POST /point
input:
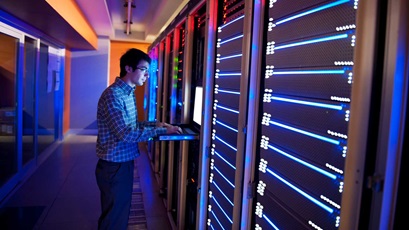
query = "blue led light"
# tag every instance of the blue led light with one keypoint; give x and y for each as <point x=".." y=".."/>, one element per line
<point x="323" y="172"/>
<point x="225" y="108"/>
<point x="235" y="20"/>
<point x="309" y="72"/>
<point x="228" y="91"/>
<point x="232" y="56"/>
<point x="220" y="156"/>
<point x="225" y="178"/>
<point x="231" y="39"/>
<point x="270" y="222"/>
<point x="329" y="38"/>
<point x="315" y="201"/>
<point x="225" y="214"/>
<point x="229" y="74"/>
<point x="311" y="11"/>
<point x="215" y="217"/>
<point x="332" y="141"/>
<point x="220" y="190"/>
<point x="233" y="129"/>
<point x="218" y="138"/>
<point x="322" y="105"/>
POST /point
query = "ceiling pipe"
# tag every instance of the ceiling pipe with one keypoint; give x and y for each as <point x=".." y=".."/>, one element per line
<point x="129" y="5"/>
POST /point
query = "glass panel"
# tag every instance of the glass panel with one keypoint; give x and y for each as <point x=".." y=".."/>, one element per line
<point x="8" y="64"/>
<point x="29" y="99"/>
<point x="45" y="101"/>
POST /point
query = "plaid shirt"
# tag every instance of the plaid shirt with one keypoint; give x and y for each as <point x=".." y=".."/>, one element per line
<point x="118" y="128"/>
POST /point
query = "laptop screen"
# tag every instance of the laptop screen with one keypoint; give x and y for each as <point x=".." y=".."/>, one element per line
<point x="197" y="106"/>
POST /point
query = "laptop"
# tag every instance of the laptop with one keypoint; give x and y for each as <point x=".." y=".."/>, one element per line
<point x="189" y="131"/>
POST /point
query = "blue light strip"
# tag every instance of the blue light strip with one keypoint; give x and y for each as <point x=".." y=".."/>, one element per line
<point x="218" y="188"/>
<point x="232" y="56"/>
<point x="309" y="72"/>
<point x="227" y="180"/>
<point x="315" y="104"/>
<point x="218" y="138"/>
<point x="270" y="222"/>
<point x="323" y="172"/>
<point x="332" y="141"/>
<point x="312" y="11"/>
<point x="228" y="91"/>
<point x="225" y="108"/>
<point x="233" y="129"/>
<point x="220" y="156"/>
<point x="229" y="74"/>
<point x="214" y="215"/>
<point x="215" y="201"/>
<point x="330" y="38"/>
<point x="221" y="27"/>
<point x="315" y="201"/>
<point x="231" y="39"/>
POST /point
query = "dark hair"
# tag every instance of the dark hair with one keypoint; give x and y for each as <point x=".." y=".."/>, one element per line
<point x="131" y="58"/>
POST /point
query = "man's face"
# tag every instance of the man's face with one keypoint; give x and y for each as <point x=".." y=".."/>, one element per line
<point x="141" y="73"/>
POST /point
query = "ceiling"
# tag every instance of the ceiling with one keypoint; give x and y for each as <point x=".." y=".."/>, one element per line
<point x="149" y="17"/>
<point x="106" y="17"/>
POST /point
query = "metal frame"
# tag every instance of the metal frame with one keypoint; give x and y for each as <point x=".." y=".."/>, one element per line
<point x="393" y="109"/>
<point x="210" y="44"/>
<point x="253" y="111"/>
<point x="359" y="123"/>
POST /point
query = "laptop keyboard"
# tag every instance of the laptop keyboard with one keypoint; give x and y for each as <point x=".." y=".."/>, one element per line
<point x="188" y="131"/>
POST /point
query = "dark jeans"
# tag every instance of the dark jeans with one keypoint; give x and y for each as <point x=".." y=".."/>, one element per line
<point x="115" y="181"/>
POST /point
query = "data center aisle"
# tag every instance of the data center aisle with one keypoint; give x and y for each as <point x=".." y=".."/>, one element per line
<point x="63" y="194"/>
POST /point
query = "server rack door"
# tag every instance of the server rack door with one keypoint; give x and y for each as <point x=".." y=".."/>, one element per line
<point x="192" y="76"/>
<point x="305" y="112"/>
<point x="228" y="117"/>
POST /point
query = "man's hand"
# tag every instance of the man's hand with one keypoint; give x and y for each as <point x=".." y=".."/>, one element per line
<point x="173" y="129"/>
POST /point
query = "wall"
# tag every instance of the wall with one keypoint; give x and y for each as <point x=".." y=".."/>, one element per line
<point x="117" y="49"/>
<point x="67" y="92"/>
<point x="89" y="77"/>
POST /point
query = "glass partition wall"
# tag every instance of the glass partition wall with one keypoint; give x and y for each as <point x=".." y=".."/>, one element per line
<point x="8" y="71"/>
<point x="29" y="98"/>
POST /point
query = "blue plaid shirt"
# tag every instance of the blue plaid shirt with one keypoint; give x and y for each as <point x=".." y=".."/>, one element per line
<point x="118" y="128"/>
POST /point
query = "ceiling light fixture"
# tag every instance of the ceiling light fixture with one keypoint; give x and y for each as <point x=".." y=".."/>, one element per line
<point x="128" y="5"/>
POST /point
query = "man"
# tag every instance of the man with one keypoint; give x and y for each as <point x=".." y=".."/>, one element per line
<point x="118" y="135"/>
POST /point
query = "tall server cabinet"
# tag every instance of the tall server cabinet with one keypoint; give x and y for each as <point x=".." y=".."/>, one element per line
<point x="228" y="114"/>
<point x="304" y="114"/>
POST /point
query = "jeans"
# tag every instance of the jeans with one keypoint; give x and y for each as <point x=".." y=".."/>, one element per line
<point x="115" y="182"/>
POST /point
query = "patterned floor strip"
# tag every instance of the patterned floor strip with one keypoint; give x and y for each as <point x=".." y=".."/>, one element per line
<point x="137" y="217"/>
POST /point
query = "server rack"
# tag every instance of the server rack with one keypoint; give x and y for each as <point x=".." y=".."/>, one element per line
<point x="177" y="78"/>
<point x="305" y="114"/>
<point x="310" y="155"/>
<point x="189" y="157"/>
<point x="227" y="87"/>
